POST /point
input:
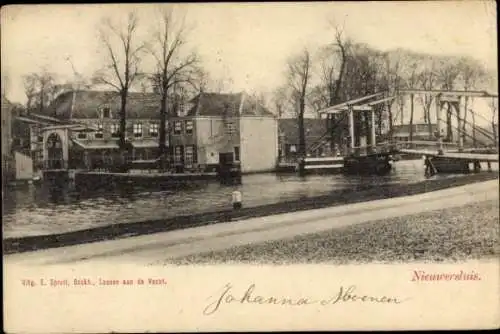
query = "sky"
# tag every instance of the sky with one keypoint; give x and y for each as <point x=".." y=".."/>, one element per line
<point x="247" y="43"/>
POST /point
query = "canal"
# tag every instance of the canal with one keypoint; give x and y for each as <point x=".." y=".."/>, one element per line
<point x="32" y="210"/>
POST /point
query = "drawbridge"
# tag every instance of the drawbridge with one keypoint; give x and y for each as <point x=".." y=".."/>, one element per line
<point x="370" y="156"/>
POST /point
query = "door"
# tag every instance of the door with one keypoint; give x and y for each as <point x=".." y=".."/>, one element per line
<point x="54" y="152"/>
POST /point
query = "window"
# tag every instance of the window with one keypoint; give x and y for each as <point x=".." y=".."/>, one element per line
<point x="230" y="127"/>
<point x="114" y="131"/>
<point x="37" y="156"/>
<point x="82" y="135"/>
<point x="178" y="154"/>
<point x="36" y="134"/>
<point x="99" y="134"/>
<point x="189" y="155"/>
<point x="153" y="130"/>
<point x="177" y="128"/>
<point x="189" y="127"/>
<point x="137" y="130"/>
<point x="236" y="153"/>
<point x="106" y="112"/>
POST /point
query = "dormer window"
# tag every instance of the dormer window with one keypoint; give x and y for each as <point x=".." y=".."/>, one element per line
<point x="82" y="135"/>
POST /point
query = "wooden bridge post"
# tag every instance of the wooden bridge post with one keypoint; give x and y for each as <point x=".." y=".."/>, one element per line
<point x="438" y="123"/>
<point x="372" y="129"/>
<point x="412" y="103"/>
<point x="477" y="166"/>
<point x="351" y="126"/>
<point x="459" y="125"/>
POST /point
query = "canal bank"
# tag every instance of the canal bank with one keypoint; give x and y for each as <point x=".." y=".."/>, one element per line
<point x="335" y="198"/>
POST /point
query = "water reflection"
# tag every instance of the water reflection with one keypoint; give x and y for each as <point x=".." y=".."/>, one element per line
<point x="36" y="210"/>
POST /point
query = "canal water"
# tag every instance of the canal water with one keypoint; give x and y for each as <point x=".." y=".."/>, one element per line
<point x="32" y="210"/>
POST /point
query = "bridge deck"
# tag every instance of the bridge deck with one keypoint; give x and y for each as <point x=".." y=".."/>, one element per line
<point x="454" y="155"/>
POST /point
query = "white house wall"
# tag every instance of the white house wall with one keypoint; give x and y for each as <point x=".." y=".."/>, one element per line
<point x="259" y="144"/>
<point x="212" y="139"/>
<point x="24" y="166"/>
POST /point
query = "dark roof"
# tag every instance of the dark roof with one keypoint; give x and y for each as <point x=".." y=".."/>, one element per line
<point x="88" y="104"/>
<point x="216" y="104"/>
<point x="315" y="128"/>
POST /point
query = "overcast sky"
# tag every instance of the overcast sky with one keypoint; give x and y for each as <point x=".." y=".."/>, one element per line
<point x="248" y="43"/>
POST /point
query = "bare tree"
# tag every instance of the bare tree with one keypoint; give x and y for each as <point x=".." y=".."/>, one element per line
<point x="334" y="87"/>
<point x="40" y="89"/>
<point x="448" y="73"/>
<point x="471" y="73"/>
<point x="318" y="99"/>
<point x="299" y="75"/>
<point x="392" y="82"/>
<point x="427" y="79"/>
<point x="281" y="101"/>
<point x="30" y="83"/>
<point x="412" y="77"/>
<point x="173" y="68"/>
<point x="333" y="59"/>
<point x="333" y="63"/>
<point x="122" y="70"/>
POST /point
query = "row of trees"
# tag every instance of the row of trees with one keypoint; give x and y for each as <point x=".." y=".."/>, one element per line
<point x="346" y="70"/>
<point x="174" y="66"/>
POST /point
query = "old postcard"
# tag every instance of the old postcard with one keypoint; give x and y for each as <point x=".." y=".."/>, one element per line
<point x="250" y="167"/>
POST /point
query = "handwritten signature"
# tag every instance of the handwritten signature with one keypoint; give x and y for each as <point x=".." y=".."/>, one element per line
<point x="344" y="294"/>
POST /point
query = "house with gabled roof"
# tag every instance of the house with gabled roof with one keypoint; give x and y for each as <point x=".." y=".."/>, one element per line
<point x="90" y="119"/>
<point x="215" y="124"/>
<point x="84" y="129"/>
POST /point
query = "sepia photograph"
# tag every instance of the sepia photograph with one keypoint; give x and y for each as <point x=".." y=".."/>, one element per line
<point x="250" y="166"/>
